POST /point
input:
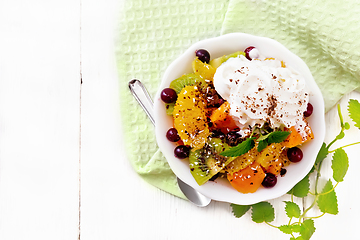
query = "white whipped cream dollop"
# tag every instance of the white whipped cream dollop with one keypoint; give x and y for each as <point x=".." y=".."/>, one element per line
<point x="261" y="90"/>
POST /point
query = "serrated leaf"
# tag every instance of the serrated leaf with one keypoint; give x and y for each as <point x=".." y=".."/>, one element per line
<point x="292" y="209"/>
<point x="262" y="212"/>
<point x="340" y="164"/>
<point x="341" y="135"/>
<point x="322" y="154"/>
<point x="263" y="137"/>
<point x="307" y="229"/>
<point x="239" y="210"/>
<point x="262" y="145"/>
<point x="301" y="189"/>
<point x="273" y="137"/>
<point x="312" y="170"/>
<point x="298" y="238"/>
<point x="277" y="136"/>
<point x="240" y="149"/>
<point x="287" y="229"/>
<point x="327" y="203"/>
<point x="296" y="228"/>
<point x="354" y="111"/>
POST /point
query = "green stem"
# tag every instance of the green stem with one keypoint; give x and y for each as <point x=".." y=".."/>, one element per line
<point x="329" y="190"/>
<point x="253" y="131"/>
<point x="340" y="116"/>
<point x="317" y="177"/>
<point x="316" y="192"/>
<point x="271" y="225"/>
<point x="341" y="124"/>
<point x="315" y="217"/>
<point x="306" y="210"/>
<point x="333" y="141"/>
<point x="348" y="145"/>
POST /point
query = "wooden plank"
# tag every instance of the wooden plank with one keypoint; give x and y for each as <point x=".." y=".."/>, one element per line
<point x="102" y="153"/>
<point x="39" y="119"/>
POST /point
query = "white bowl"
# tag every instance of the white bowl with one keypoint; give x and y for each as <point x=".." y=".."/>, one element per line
<point x="221" y="189"/>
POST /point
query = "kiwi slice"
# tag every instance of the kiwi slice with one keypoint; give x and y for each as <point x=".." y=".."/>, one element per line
<point x="169" y="108"/>
<point x="207" y="162"/>
<point x="178" y="84"/>
<point x="190" y="79"/>
<point x="218" y="61"/>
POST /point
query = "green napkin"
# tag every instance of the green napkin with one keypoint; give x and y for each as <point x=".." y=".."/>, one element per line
<point x="325" y="34"/>
<point x="153" y="33"/>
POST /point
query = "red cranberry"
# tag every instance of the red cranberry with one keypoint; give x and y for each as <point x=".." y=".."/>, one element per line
<point x="182" y="151"/>
<point x="247" y="51"/>
<point x="172" y="135"/>
<point x="309" y="110"/>
<point x="203" y="55"/>
<point x="168" y="95"/>
<point x="269" y="181"/>
<point x="294" y="154"/>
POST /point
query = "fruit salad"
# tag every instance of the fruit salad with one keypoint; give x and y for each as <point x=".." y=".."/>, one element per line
<point x="242" y="117"/>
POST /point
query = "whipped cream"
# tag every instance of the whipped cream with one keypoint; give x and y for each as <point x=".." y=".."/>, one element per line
<point x="261" y="90"/>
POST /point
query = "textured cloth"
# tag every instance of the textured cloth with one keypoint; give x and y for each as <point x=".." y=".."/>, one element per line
<point x="152" y="33"/>
<point x="325" y="34"/>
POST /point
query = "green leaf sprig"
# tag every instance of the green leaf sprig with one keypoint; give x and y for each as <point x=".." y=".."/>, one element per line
<point x="300" y="226"/>
<point x="249" y="143"/>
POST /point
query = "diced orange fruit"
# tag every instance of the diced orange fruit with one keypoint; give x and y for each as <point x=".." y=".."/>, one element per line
<point x="270" y="159"/>
<point x="247" y="180"/>
<point x="300" y="133"/>
<point x="293" y="139"/>
<point x="220" y="114"/>
<point x="242" y="161"/>
<point x="205" y="70"/>
<point x="190" y="117"/>
<point x="221" y="118"/>
<point x="284" y="158"/>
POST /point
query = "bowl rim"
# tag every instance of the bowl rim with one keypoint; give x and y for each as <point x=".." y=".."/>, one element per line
<point x="217" y="47"/>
